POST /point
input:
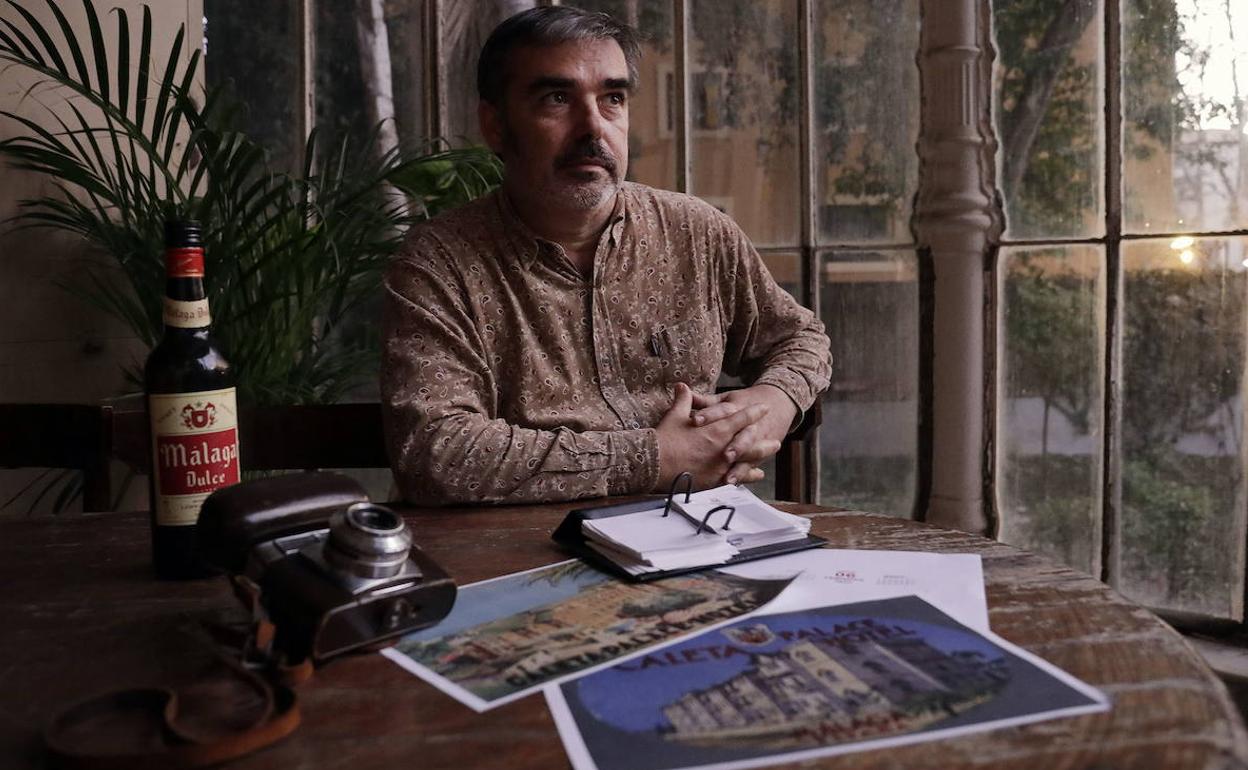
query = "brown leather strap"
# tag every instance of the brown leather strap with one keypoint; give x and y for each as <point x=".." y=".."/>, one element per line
<point x="226" y="712"/>
<point x="142" y="729"/>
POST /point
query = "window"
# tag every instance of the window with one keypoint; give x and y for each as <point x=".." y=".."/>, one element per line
<point x="785" y="114"/>
<point x="1122" y="284"/>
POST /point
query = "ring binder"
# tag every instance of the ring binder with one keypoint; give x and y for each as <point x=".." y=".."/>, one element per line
<point x="570" y="534"/>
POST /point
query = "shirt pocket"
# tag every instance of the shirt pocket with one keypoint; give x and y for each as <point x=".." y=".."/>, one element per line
<point x="691" y="351"/>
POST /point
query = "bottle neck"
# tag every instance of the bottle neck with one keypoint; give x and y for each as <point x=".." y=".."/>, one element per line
<point x="185" y="289"/>
<point x="186" y="305"/>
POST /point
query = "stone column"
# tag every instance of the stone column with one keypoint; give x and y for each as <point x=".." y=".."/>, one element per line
<point x="956" y="223"/>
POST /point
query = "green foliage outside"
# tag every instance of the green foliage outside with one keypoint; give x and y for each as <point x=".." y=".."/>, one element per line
<point x="1181" y="375"/>
<point x="880" y="484"/>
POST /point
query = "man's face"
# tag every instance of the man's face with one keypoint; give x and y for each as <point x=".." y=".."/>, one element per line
<point x="562" y="128"/>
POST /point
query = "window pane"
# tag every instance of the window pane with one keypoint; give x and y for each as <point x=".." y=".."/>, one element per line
<point x="405" y="29"/>
<point x="339" y="80"/>
<point x="652" y="133"/>
<point x="866" y="119"/>
<point x="1183" y="486"/>
<point x="465" y="26"/>
<point x="1185" y="81"/>
<point x="869" y="439"/>
<point x="1047" y="103"/>
<point x="743" y="114"/>
<point x="242" y="40"/>
<point x="1049" y="423"/>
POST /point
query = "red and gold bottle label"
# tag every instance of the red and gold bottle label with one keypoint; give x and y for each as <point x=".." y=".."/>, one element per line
<point x="194" y="451"/>
<point x="187" y="315"/>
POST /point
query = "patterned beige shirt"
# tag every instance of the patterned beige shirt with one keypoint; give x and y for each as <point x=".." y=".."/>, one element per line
<point x="507" y="376"/>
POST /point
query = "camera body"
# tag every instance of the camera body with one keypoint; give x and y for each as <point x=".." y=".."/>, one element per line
<point x="335" y="571"/>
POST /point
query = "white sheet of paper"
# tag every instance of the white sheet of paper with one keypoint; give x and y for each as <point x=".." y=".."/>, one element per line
<point x="954" y="582"/>
<point x="735" y="495"/>
<point x="650" y="531"/>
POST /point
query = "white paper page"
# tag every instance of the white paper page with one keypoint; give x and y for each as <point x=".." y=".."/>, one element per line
<point x="646" y="531"/>
<point x="747" y="518"/>
<point x="730" y="494"/>
<point x="954" y="582"/>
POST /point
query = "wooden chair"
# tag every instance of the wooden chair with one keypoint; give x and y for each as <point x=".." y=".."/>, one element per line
<point x="307" y="437"/>
<point x="74" y="436"/>
<point x="791" y="461"/>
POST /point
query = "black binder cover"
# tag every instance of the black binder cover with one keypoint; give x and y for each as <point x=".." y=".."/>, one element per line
<point x="569" y="535"/>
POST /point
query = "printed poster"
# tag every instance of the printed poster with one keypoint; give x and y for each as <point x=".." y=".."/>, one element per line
<point x="509" y="636"/>
<point x="805" y="684"/>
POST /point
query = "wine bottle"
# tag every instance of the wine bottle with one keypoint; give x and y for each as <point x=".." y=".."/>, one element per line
<point x="191" y="407"/>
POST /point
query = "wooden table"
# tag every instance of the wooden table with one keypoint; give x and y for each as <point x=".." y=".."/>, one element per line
<point x="80" y="614"/>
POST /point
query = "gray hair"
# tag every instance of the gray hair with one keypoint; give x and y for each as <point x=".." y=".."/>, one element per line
<point x="548" y="25"/>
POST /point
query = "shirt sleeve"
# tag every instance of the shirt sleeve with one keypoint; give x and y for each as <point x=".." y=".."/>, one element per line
<point x="771" y="339"/>
<point x="446" y="443"/>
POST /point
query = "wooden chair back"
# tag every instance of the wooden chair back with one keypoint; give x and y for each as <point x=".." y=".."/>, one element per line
<point x="73" y="436"/>
<point x="290" y="437"/>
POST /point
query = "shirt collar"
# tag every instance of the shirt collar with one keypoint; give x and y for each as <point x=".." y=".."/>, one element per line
<point x="527" y="245"/>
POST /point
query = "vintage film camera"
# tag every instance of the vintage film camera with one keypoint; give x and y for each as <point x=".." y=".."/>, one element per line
<point x="335" y="571"/>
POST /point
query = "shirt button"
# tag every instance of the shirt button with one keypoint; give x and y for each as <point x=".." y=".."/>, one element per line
<point x="634" y="424"/>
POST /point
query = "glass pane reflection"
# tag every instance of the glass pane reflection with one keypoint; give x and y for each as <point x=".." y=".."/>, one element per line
<point x="246" y="38"/>
<point x="866" y="119"/>
<point x="743" y="114"/>
<point x="340" y="105"/>
<point x="1052" y="332"/>
<point x="1183" y="91"/>
<point x="1047" y="101"/>
<point x="405" y="29"/>
<point x="1183" y="485"/>
<point x="869" y="440"/>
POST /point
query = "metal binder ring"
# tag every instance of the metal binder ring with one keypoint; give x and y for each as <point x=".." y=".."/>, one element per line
<point x="731" y="512"/>
<point x="688" y="478"/>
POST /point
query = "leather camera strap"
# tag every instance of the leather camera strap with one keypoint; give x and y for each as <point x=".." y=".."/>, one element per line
<point x="227" y="711"/>
<point x="158" y="728"/>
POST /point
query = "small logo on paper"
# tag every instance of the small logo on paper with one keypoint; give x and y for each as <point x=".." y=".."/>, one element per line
<point x="199" y="414"/>
<point x="846" y="576"/>
<point x="896" y="580"/>
<point x="756" y="635"/>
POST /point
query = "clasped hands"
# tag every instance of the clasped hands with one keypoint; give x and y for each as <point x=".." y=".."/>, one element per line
<point x="721" y="438"/>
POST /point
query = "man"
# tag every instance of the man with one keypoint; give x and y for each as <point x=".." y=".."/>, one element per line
<point x="562" y="337"/>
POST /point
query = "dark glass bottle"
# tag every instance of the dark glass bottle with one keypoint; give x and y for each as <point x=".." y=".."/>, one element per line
<point x="191" y="408"/>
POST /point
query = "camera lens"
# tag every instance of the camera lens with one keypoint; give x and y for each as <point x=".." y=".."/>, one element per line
<point x="368" y="540"/>
<point x="374" y="518"/>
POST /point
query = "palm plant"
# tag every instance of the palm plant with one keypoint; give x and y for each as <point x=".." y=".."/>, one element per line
<point x="288" y="257"/>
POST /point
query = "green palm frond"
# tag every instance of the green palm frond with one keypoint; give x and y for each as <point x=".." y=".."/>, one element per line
<point x="288" y="257"/>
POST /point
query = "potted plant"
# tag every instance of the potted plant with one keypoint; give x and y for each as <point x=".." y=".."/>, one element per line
<point x="290" y="257"/>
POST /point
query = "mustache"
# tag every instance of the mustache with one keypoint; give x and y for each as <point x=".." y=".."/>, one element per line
<point x="590" y="150"/>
